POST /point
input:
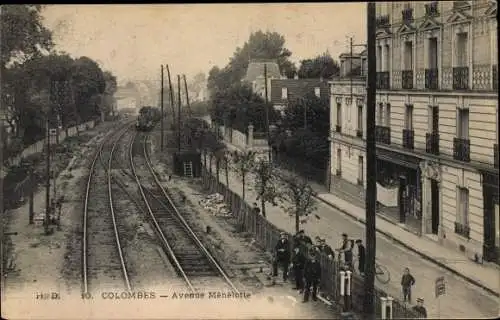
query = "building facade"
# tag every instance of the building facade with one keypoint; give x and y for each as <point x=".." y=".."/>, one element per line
<point x="347" y="119"/>
<point x="436" y="120"/>
<point x="282" y="91"/>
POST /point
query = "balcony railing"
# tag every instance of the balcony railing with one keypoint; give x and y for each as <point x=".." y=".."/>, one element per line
<point x="432" y="143"/>
<point x="461" y="4"/>
<point x="383" y="21"/>
<point x="495" y="154"/>
<point x="407" y="79"/>
<point x="338" y="128"/>
<point x="383" y="80"/>
<point x="431" y="9"/>
<point x="383" y="134"/>
<point x="407" y="15"/>
<point x="462" y="229"/>
<point x="461" y="78"/>
<point x="408" y="139"/>
<point x="494" y="74"/>
<point x="431" y="79"/>
<point x="359" y="133"/>
<point x="461" y="149"/>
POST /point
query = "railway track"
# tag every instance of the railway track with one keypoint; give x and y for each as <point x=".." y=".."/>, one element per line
<point x="192" y="261"/>
<point x="102" y="256"/>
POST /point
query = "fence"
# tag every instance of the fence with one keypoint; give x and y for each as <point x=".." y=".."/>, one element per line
<point x="266" y="236"/>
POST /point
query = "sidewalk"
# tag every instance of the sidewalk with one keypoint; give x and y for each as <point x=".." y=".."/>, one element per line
<point x="462" y="299"/>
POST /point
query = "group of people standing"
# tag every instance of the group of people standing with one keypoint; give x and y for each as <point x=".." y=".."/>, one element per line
<point x="305" y="263"/>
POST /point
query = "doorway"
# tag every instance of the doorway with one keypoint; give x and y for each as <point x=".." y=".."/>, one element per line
<point x="435" y="206"/>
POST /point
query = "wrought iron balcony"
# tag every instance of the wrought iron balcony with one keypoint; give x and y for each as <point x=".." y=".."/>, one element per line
<point x="494" y="69"/>
<point x="461" y="4"/>
<point x="383" y="134"/>
<point x="407" y="15"/>
<point x="338" y="128"/>
<point x="462" y="229"/>
<point x="495" y="154"/>
<point x="432" y="143"/>
<point x="431" y="79"/>
<point x="461" y="78"/>
<point x="408" y="139"/>
<point x="359" y="133"/>
<point x="431" y="9"/>
<point x="407" y="79"/>
<point x="383" y="21"/>
<point x="383" y="80"/>
<point x="461" y="149"/>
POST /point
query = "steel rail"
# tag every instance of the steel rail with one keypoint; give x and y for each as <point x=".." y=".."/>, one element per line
<point x="184" y="223"/>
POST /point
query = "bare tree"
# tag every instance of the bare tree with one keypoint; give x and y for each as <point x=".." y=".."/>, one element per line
<point x="299" y="198"/>
<point x="243" y="163"/>
<point x="265" y="183"/>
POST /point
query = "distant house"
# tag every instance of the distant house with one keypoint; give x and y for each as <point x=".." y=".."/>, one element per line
<point x="255" y="75"/>
<point x="285" y="90"/>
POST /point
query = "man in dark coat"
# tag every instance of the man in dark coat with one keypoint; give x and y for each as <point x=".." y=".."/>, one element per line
<point x="361" y="256"/>
<point x="300" y="239"/>
<point x="282" y="256"/>
<point x="298" y="264"/>
<point x="324" y="248"/>
<point x="420" y="309"/>
<point x="312" y="274"/>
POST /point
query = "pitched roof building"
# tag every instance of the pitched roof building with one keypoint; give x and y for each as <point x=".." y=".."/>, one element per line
<point x="284" y="90"/>
<point x="256" y="69"/>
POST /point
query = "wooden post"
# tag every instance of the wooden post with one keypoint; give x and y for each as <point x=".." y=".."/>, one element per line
<point x="31" y="183"/>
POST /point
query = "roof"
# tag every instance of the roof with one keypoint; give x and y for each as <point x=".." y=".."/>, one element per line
<point x="256" y="68"/>
<point x="297" y="88"/>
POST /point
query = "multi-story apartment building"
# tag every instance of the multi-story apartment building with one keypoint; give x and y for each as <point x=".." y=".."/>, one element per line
<point x="437" y="118"/>
<point x="348" y="118"/>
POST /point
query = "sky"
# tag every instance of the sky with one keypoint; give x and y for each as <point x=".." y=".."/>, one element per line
<point x="132" y="41"/>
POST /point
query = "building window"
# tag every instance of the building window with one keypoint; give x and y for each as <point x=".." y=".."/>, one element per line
<point x="461" y="57"/>
<point x="409" y="117"/>
<point x="339" y="114"/>
<point x="387" y="58"/>
<point x="317" y="92"/>
<point x="463" y="124"/>
<point x="284" y="93"/>
<point x="433" y="53"/>
<point x="388" y="115"/>
<point x="408" y="55"/>
<point x="462" y="218"/>
<point x="360" y="170"/>
<point x="360" y="119"/>
<point x="433" y="119"/>
<point x="379" y="58"/>
<point x="339" y="162"/>
<point x="380" y="115"/>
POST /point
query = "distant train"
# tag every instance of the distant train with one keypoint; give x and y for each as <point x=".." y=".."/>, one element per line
<point x="147" y="118"/>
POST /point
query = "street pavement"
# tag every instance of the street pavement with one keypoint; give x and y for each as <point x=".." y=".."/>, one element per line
<point x="462" y="299"/>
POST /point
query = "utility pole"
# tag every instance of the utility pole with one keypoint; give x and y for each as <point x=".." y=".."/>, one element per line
<point x="172" y="103"/>
<point x="161" y="102"/>
<point x="179" y="113"/>
<point x="305" y="112"/>
<point x="47" y="175"/>
<point x="269" y="153"/>
<point x="187" y="95"/>
<point x="371" y="167"/>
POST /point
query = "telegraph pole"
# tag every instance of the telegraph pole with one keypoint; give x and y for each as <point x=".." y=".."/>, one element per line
<point x="371" y="167"/>
<point x="187" y="95"/>
<point x="179" y="113"/>
<point x="47" y="175"/>
<point x="172" y="103"/>
<point x="161" y="101"/>
<point x="269" y="153"/>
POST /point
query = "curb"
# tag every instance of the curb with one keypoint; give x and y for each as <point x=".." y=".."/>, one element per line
<point x="423" y="255"/>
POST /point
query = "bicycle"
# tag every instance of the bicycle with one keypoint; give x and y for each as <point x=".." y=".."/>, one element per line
<point x="381" y="272"/>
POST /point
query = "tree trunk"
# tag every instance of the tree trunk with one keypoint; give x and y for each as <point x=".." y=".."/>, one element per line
<point x="226" y="168"/>
<point x="243" y="186"/>
<point x="217" y="168"/>
<point x="297" y="221"/>
<point x="263" y="207"/>
<point x="210" y="163"/>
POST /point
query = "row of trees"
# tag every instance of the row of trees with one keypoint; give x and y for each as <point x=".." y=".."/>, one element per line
<point x="293" y="193"/>
<point x="39" y="83"/>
